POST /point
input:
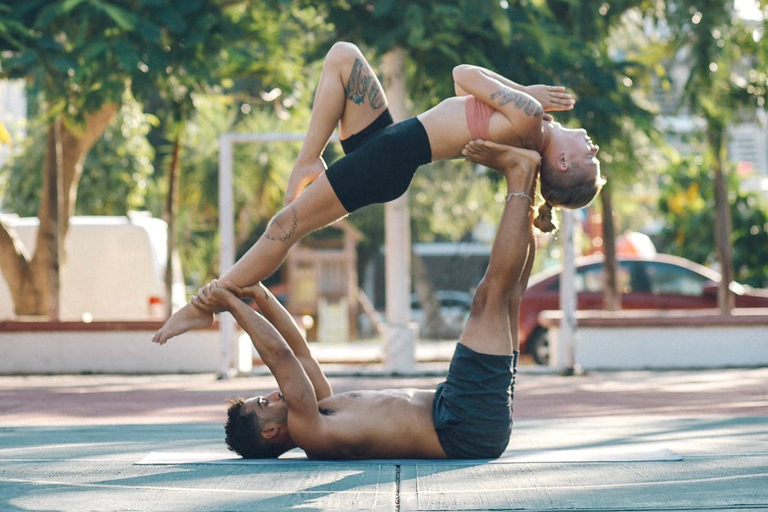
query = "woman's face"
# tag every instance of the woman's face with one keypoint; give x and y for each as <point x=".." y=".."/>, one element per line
<point x="574" y="152"/>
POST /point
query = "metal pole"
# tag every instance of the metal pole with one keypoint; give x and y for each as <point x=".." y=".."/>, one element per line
<point x="227" y="240"/>
<point x="565" y="356"/>
<point x="399" y="334"/>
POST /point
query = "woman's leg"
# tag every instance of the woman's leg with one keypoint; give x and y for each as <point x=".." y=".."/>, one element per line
<point x="348" y="94"/>
<point x="317" y="207"/>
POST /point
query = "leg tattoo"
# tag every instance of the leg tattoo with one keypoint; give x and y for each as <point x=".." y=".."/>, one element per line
<point x="361" y="84"/>
<point x="286" y="235"/>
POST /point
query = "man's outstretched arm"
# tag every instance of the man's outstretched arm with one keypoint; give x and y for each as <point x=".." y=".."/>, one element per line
<point x="500" y="157"/>
<point x="283" y="321"/>
<point x="293" y="381"/>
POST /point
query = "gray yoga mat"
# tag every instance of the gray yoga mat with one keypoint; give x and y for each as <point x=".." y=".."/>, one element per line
<point x="580" y="455"/>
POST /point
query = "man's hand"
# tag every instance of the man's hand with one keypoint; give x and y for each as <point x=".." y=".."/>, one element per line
<point x="214" y="298"/>
<point x="552" y="98"/>
<point x="519" y="165"/>
<point x="499" y="156"/>
<point x="247" y="292"/>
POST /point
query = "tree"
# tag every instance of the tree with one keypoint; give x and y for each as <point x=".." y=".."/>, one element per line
<point x="688" y="205"/>
<point x="560" y="42"/>
<point x="434" y="37"/>
<point x="720" y="51"/>
<point x="84" y="54"/>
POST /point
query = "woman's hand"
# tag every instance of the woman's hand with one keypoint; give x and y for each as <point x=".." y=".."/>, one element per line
<point x="552" y="98"/>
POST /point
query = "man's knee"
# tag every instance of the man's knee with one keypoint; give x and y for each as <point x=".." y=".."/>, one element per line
<point x="342" y="53"/>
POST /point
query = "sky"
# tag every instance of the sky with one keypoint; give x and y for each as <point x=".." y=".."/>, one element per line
<point x="748" y="9"/>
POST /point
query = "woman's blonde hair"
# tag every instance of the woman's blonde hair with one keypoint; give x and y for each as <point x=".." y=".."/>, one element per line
<point x="571" y="196"/>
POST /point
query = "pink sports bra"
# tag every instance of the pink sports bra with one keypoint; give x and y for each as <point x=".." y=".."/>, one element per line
<point x="478" y="118"/>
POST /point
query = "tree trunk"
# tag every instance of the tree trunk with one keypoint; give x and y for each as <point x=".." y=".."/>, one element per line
<point x="170" y="218"/>
<point x="435" y="327"/>
<point x="611" y="265"/>
<point x="28" y="278"/>
<point x="723" y="242"/>
<point x="55" y="197"/>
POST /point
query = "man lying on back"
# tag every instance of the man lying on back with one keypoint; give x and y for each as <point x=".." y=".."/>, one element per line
<point x="467" y="416"/>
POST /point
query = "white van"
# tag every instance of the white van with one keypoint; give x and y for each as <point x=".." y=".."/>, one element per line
<point x="114" y="268"/>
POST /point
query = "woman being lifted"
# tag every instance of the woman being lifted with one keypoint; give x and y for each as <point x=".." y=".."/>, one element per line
<point x="381" y="157"/>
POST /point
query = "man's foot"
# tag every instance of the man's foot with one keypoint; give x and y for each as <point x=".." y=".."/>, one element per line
<point x="185" y="319"/>
<point x="500" y="157"/>
<point x="302" y="174"/>
<point x="518" y="165"/>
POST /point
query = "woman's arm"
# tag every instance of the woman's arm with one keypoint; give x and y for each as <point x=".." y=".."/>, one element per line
<point x="522" y="109"/>
<point x="551" y="98"/>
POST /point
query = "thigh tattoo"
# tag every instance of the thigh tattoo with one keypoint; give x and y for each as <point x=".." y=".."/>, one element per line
<point x="363" y="85"/>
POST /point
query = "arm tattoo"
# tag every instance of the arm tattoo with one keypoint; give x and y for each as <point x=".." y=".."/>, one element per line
<point x="362" y="84"/>
<point x="286" y="235"/>
<point x="530" y="107"/>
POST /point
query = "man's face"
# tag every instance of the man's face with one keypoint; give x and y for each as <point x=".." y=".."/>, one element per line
<point x="269" y="408"/>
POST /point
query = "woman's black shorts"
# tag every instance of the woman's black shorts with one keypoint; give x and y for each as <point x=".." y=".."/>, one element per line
<point x="380" y="162"/>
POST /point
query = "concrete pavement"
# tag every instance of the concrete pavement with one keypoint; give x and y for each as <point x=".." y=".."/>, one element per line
<point x="70" y="443"/>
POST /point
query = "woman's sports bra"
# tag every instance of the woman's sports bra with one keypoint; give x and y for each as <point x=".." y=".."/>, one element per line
<point x="478" y="118"/>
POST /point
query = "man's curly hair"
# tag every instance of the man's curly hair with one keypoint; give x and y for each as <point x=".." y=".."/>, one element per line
<point x="243" y="432"/>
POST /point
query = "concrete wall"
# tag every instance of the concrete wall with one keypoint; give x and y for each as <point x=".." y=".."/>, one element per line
<point x="79" y="348"/>
<point x="635" y="340"/>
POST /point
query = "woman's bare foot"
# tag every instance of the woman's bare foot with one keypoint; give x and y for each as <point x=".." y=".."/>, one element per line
<point x="302" y="174"/>
<point x="185" y="319"/>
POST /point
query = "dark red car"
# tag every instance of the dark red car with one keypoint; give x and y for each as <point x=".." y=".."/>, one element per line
<point x="658" y="282"/>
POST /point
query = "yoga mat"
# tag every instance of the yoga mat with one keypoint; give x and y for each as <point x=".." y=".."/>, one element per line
<point x="579" y="455"/>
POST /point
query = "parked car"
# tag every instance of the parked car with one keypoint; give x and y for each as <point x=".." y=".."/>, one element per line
<point x="658" y="282"/>
<point x="454" y="308"/>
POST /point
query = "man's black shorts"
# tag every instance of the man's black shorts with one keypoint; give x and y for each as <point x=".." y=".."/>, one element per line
<point x="472" y="411"/>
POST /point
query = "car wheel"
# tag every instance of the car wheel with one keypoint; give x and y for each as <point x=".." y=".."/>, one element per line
<point x="538" y="346"/>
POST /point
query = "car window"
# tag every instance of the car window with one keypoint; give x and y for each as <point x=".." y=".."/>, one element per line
<point x="671" y="279"/>
<point x="454" y="303"/>
<point x="590" y="279"/>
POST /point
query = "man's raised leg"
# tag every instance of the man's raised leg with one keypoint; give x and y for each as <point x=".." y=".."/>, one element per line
<point x="488" y="328"/>
<point x="348" y="94"/>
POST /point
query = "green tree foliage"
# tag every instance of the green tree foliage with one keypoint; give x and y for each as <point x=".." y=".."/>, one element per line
<point x="84" y="54"/>
<point x="688" y="208"/>
<point x="116" y="175"/>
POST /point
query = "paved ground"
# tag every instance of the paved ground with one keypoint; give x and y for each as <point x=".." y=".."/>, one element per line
<point x="70" y="443"/>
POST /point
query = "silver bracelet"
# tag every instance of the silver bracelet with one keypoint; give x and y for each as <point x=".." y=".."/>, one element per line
<point x="519" y="194"/>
